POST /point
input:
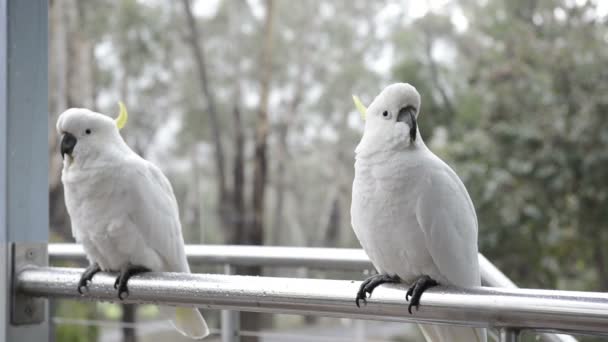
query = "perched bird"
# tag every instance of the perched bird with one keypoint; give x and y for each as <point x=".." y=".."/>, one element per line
<point x="410" y="211"/>
<point x="122" y="208"/>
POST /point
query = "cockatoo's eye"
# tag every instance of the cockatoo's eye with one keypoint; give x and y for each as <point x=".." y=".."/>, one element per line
<point x="386" y="115"/>
<point x="87" y="131"/>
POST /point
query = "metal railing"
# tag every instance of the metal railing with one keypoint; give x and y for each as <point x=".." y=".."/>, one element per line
<point x="560" y="304"/>
<point x="508" y="309"/>
<point x="237" y="255"/>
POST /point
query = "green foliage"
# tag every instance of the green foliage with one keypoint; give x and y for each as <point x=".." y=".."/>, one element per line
<point x="515" y="102"/>
<point x="74" y="332"/>
<point x="528" y="135"/>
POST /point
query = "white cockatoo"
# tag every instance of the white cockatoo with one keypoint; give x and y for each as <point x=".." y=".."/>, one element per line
<point x="122" y="208"/>
<point x="410" y="211"/>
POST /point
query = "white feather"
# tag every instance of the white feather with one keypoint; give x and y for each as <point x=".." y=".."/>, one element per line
<point x="410" y="211"/>
<point x="122" y="207"/>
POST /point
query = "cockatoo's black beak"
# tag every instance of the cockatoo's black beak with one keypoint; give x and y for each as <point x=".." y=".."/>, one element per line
<point x="68" y="141"/>
<point x="408" y="116"/>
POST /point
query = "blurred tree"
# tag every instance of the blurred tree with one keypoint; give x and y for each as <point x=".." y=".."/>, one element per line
<point x="196" y="41"/>
<point x="542" y="104"/>
<point x="74" y="332"/>
<point x="327" y="46"/>
<point x="71" y="76"/>
<point x="259" y="149"/>
<point x="523" y="101"/>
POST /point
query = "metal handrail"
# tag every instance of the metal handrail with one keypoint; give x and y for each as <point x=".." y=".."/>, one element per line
<point x="318" y="258"/>
<point x="548" y="310"/>
<point x="238" y="255"/>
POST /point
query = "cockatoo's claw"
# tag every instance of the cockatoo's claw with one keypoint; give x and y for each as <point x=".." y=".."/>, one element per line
<point x="361" y="295"/>
<point x="126" y="272"/>
<point x="415" y="291"/>
<point x="409" y="292"/>
<point x="369" y="284"/>
<point x="409" y="307"/>
<point x="82" y="283"/>
<point x="358" y="299"/>
<point x="122" y="291"/>
<point x="87" y="276"/>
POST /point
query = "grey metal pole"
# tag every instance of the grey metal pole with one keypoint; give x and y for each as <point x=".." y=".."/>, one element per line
<point x="360" y="331"/>
<point x="509" y="335"/>
<point x="23" y="159"/>
<point x="230" y="319"/>
<point x="584" y="312"/>
<point x="322" y="258"/>
<point x="492" y="276"/>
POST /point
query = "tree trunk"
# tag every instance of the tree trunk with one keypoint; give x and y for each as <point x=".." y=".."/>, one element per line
<point x="281" y="157"/>
<point x="434" y="69"/>
<point x="238" y="176"/>
<point x="197" y="47"/>
<point x="239" y="209"/>
<point x="333" y="222"/>
<point x="194" y="197"/>
<point x="255" y="232"/>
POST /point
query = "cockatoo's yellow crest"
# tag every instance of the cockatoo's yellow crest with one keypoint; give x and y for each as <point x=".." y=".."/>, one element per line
<point x="360" y="107"/>
<point x="123" y="116"/>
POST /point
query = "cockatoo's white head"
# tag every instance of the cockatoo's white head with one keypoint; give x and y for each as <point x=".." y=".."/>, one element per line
<point x="87" y="135"/>
<point x="390" y="121"/>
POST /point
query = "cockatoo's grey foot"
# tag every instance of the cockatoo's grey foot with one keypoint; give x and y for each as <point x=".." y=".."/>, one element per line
<point x="126" y="272"/>
<point x="87" y="276"/>
<point x="416" y="290"/>
<point x="369" y="284"/>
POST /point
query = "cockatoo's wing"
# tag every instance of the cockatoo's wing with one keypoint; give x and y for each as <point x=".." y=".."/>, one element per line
<point x="154" y="213"/>
<point x="156" y="217"/>
<point x="447" y="218"/>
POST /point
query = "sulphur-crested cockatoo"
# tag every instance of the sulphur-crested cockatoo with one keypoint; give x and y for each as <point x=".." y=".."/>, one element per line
<point x="122" y="208"/>
<point x="410" y="211"/>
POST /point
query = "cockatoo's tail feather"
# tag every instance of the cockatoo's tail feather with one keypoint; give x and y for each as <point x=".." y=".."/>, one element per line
<point x="188" y="321"/>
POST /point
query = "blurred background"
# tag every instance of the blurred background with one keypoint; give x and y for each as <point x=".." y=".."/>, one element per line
<point x="246" y="106"/>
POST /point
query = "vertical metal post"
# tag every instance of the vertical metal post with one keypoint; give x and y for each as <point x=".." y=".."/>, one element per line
<point x="231" y="320"/>
<point x="360" y="331"/>
<point x="509" y="335"/>
<point x="23" y="151"/>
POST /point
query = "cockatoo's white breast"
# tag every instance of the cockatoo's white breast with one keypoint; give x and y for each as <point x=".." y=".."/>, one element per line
<point x="96" y="200"/>
<point x="383" y="214"/>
